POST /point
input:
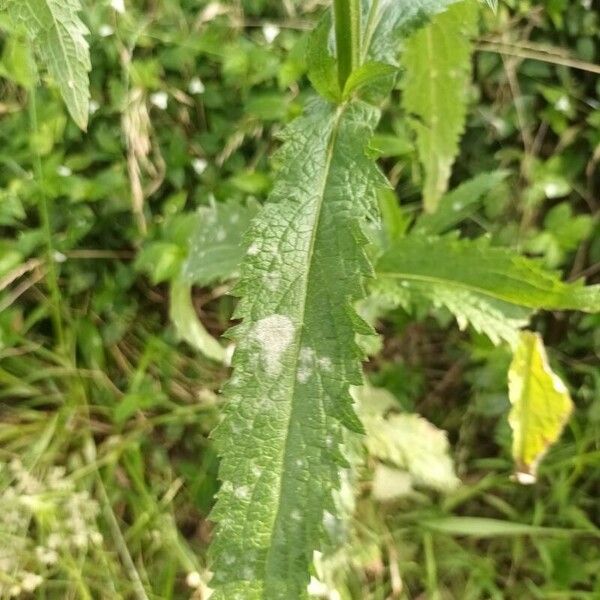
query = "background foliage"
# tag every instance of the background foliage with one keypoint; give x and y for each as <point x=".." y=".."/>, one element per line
<point x="107" y="395"/>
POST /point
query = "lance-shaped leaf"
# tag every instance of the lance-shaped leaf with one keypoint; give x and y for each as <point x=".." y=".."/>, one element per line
<point x="296" y="356"/>
<point x="437" y="64"/>
<point x="541" y="405"/>
<point x="491" y="272"/>
<point x="59" y="37"/>
<point x="495" y="290"/>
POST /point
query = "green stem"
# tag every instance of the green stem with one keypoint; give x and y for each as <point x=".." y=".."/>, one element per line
<point x="347" y="37"/>
<point x="44" y="217"/>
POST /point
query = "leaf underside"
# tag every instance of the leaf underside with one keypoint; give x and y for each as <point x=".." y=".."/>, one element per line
<point x="437" y="63"/>
<point x="296" y="357"/>
<point x="59" y="37"/>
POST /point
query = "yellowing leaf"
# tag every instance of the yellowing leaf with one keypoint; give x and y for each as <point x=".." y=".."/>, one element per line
<point x="541" y="405"/>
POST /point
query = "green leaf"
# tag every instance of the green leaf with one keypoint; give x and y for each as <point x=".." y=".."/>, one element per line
<point x="18" y="62"/>
<point x="459" y="204"/>
<point x="485" y="528"/>
<point x="296" y="356"/>
<point x="188" y="325"/>
<point x="322" y="69"/>
<point x="367" y="75"/>
<point x="541" y="405"/>
<point x="437" y="63"/>
<point x="491" y="272"/>
<point x="59" y="37"/>
<point x="217" y="246"/>
<point x="390" y="22"/>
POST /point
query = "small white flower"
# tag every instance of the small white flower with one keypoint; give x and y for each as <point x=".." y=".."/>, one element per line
<point x="196" y="86"/>
<point x="31" y="581"/>
<point x="59" y="257"/>
<point x="193" y="579"/>
<point x="105" y="30"/>
<point x="551" y="190"/>
<point x="562" y="104"/>
<point x="94" y="107"/>
<point x="160" y="100"/>
<point x="270" y="32"/>
<point x="64" y="171"/>
<point x="199" y="165"/>
<point x="118" y="5"/>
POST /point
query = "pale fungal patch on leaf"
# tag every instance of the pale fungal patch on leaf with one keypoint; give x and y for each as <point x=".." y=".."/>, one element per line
<point x="253" y="249"/>
<point x="325" y="363"/>
<point x="242" y="492"/>
<point x="274" y="335"/>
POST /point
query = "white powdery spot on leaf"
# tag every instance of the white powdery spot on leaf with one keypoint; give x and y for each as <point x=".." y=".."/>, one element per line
<point x="242" y="492"/>
<point x="253" y="250"/>
<point x="325" y="363"/>
<point x="274" y="334"/>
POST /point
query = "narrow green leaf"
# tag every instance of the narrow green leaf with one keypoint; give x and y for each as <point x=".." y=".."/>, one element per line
<point x="485" y="528"/>
<point x="59" y="37"/>
<point x="296" y="356"/>
<point x="491" y="272"/>
<point x="437" y="65"/>
<point x="541" y="405"/>
<point x="322" y="70"/>
<point x="459" y="204"/>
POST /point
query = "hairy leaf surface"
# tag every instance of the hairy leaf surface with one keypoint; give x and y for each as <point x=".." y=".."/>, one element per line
<point x="296" y="357"/>
<point x="437" y="62"/>
<point x="541" y="405"/>
<point x="59" y="37"/>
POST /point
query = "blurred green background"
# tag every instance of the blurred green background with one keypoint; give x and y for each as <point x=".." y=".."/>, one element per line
<point x="107" y="472"/>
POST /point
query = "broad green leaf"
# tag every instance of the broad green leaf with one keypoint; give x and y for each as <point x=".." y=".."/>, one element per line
<point x="485" y="528"/>
<point x="217" y="245"/>
<point x="437" y="66"/>
<point x="541" y="405"/>
<point x="459" y="204"/>
<point x="491" y="272"/>
<point x="188" y="325"/>
<point x="296" y="356"/>
<point x="59" y="37"/>
<point x="390" y="22"/>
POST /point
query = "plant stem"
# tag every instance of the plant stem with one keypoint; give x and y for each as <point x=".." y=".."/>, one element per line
<point x="347" y="37"/>
<point x="44" y="217"/>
